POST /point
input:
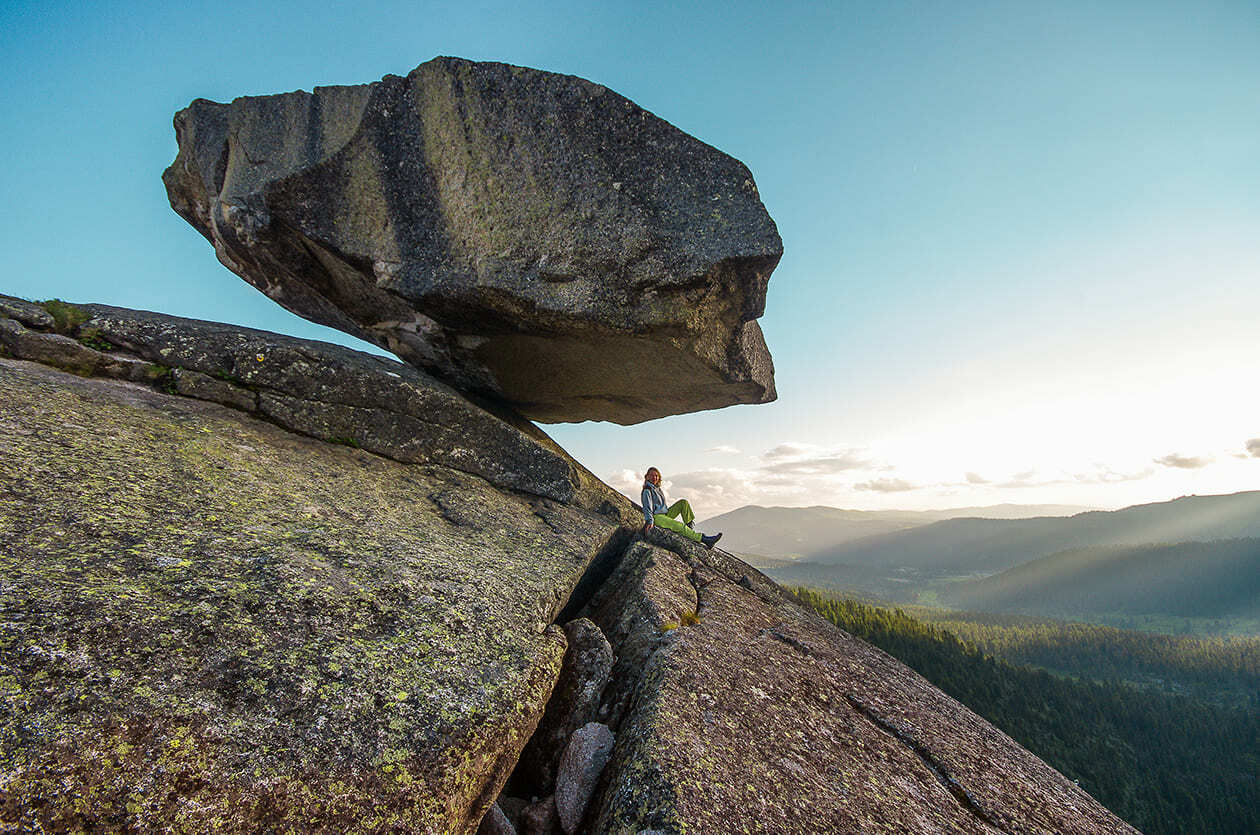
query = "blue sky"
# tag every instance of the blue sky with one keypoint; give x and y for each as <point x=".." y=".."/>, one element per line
<point x="1022" y="260"/>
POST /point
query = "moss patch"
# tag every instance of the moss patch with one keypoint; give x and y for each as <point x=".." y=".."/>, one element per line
<point x="67" y="317"/>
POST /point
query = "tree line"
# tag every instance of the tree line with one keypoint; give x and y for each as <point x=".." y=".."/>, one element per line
<point x="1166" y="762"/>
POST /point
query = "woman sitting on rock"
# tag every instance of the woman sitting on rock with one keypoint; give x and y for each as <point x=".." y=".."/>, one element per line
<point x="657" y="512"/>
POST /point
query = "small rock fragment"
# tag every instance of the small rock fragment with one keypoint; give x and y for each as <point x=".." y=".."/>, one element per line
<point x="541" y="818"/>
<point x="496" y="823"/>
<point x="584" y="759"/>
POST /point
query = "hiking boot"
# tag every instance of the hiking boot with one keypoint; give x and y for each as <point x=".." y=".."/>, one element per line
<point x="710" y="541"/>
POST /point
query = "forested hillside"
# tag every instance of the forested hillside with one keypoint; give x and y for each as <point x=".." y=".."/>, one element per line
<point x="1220" y="669"/>
<point x="1165" y="762"/>
<point x="1218" y="579"/>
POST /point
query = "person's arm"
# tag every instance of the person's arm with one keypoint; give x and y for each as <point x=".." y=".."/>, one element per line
<point x="646" y="500"/>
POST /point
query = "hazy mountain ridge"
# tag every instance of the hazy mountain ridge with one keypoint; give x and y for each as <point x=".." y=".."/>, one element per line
<point x="795" y="532"/>
<point x="1140" y="566"/>
<point x="992" y="545"/>
<point x="1220" y="578"/>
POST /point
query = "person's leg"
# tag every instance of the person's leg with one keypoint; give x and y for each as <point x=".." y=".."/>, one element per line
<point x="681" y="507"/>
<point x="677" y="527"/>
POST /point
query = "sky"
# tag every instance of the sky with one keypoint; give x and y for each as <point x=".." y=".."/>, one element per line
<point x="1021" y="252"/>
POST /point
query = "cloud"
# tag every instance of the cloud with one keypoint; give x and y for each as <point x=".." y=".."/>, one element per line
<point x="976" y="478"/>
<point x="724" y="449"/>
<point x="718" y="490"/>
<point x="1102" y="474"/>
<point x="1253" y="447"/>
<point x="1028" y="478"/>
<point x="626" y="482"/>
<point x="886" y="485"/>
<point x="1183" y="462"/>
<point x="820" y="463"/>
<point x="788" y="449"/>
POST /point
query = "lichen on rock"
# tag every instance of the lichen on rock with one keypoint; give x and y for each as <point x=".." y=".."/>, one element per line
<point x="217" y="624"/>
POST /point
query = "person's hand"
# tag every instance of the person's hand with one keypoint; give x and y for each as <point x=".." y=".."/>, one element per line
<point x="648" y="527"/>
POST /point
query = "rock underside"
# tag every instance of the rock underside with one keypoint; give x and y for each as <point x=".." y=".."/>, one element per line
<point x="213" y="620"/>
<point x="527" y="236"/>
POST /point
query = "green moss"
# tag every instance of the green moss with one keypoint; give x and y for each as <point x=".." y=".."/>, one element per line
<point x="94" y="339"/>
<point x="66" y="317"/>
<point x="344" y="441"/>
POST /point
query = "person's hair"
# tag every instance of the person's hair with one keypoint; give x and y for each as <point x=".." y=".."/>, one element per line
<point x="648" y="475"/>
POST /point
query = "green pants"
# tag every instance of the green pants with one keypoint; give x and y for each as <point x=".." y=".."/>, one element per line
<point x="679" y="508"/>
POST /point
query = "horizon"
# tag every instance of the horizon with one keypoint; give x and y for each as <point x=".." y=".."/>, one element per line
<point x="1020" y="262"/>
<point x="1077" y="508"/>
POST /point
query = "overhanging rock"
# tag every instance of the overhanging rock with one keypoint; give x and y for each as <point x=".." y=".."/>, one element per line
<point x="524" y="235"/>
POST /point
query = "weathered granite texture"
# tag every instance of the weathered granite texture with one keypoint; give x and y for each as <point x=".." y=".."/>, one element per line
<point x="316" y="388"/>
<point x="208" y="623"/>
<point x="746" y="713"/>
<point x="525" y="235"/>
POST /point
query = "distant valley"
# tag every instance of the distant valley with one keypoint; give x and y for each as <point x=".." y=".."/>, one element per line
<point x="1196" y="557"/>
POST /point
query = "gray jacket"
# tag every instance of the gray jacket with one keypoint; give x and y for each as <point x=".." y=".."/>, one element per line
<point x="653" y="501"/>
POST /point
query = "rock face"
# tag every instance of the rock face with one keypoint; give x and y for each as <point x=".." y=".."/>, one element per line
<point x="211" y="623"/>
<point x="323" y="390"/>
<point x="213" y="620"/>
<point x="532" y="237"/>
<point x="575" y="701"/>
<point x="750" y="714"/>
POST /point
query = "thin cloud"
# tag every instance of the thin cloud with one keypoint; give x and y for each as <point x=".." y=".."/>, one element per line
<point x="788" y="449"/>
<point x="1028" y="478"/>
<point x="1184" y="462"/>
<point x="724" y="449"/>
<point x="820" y="464"/>
<point x="1103" y="474"/>
<point x="886" y="485"/>
<point x="976" y="478"/>
<point x="1253" y="447"/>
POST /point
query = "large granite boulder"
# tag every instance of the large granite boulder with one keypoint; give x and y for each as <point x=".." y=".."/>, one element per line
<point x="525" y="235"/>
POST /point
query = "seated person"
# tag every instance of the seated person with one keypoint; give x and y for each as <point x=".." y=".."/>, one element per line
<point x="657" y="512"/>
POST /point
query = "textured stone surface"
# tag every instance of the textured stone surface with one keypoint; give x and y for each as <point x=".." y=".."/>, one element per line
<point x="28" y="313"/>
<point x="753" y="715"/>
<point x="326" y="391"/>
<point x="204" y="387"/>
<point x="526" y="235"/>
<point x="496" y="823"/>
<point x="541" y="818"/>
<point x="584" y="759"/>
<point x="208" y="623"/>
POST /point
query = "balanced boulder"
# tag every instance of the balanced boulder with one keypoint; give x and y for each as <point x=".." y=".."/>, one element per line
<point x="524" y="235"/>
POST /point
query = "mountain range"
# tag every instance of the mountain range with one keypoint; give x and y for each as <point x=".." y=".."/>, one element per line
<point x="1188" y="557"/>
<point x="787" y="533"/>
